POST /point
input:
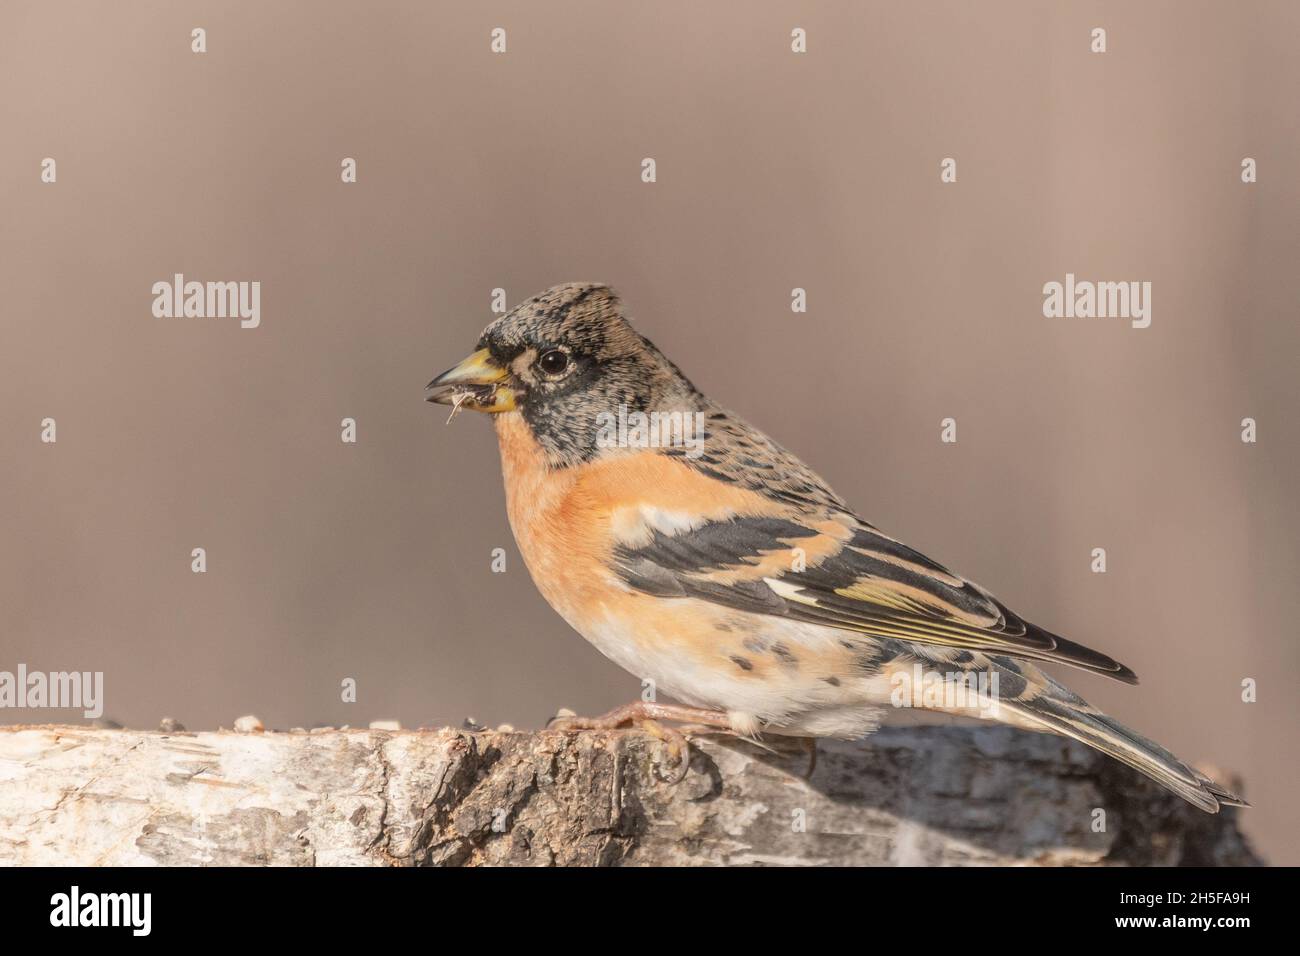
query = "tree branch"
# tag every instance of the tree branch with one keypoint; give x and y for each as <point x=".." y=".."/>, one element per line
<point x="905" y="796"/>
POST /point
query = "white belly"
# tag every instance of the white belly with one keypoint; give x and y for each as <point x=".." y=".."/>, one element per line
<point x="797" y="703"/>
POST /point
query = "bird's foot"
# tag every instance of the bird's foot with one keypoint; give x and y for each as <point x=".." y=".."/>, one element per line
<point x="649" y="717"/>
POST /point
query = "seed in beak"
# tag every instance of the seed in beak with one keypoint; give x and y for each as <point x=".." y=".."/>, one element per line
<point x="456" y="401"/>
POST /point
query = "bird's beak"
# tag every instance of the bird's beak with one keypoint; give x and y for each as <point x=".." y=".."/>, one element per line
<point x="477" y="383"/>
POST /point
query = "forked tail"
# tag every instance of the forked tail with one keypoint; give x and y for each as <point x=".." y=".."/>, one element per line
<point x="1061" y="711"/>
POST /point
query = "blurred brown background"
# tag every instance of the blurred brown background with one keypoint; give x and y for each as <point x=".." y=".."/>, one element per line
<point x="775" y="170"/>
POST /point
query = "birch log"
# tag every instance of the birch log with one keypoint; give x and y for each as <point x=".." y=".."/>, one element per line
<point x="905" y="796"/>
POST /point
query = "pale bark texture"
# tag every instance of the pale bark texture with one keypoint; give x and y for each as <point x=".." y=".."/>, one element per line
<point x="905" y="796"/>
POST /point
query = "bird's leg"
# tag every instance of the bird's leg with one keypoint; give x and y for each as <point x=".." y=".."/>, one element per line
<point x="648" y="716"/>
<point x="642" y="711"/>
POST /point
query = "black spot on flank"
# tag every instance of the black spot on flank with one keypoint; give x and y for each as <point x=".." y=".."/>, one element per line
<point x="725" y="628"/>
<point x="783" y="654"/>
<point x="755" y="645"/>
<point x="833" y="681"/>
<point x="743" y="664"/>
<point x="848" y="645"/>
<point x="963" y="657"/>
<point x="1010" y="665"/>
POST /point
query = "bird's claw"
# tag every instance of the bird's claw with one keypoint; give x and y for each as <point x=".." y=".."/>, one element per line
<point x="673" y="740"/>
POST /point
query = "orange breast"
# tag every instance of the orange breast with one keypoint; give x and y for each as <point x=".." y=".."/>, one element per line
<point x="552" y="522"/>
<point x="568" y="521"/>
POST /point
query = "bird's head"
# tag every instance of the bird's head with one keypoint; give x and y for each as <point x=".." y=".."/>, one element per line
<point x="565" y="360"/>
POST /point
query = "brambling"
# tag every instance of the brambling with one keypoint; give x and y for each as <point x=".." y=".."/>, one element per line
<point x="720" y="567"/>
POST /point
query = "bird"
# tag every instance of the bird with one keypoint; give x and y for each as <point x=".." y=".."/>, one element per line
<point x="704" y="558"/>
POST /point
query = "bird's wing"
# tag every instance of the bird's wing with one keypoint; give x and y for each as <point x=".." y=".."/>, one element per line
<point x="804" y="555"/>
<point x="845" y="574"/>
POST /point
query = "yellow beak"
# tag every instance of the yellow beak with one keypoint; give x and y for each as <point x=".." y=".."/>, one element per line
<point x="477" y="383"/>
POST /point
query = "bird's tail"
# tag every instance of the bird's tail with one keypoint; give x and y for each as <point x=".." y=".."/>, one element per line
<point x="1059" y="710"/>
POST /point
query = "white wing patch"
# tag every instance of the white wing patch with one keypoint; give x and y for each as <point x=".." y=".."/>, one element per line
<point x="634" y="526"/>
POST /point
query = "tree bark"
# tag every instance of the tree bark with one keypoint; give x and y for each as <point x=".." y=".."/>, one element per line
<point x="905" y="796"/>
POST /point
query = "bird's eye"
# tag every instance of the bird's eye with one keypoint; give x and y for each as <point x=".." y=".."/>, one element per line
<point x="553" y="362"/>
